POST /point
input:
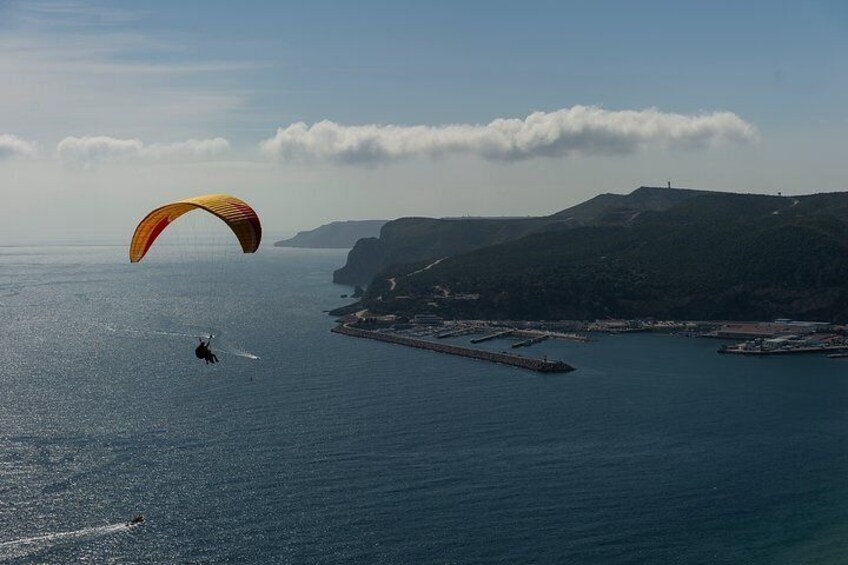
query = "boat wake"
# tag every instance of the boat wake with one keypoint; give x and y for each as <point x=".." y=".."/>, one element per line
<point x="236" y="352"/>
<point x="219" y="345"/>
<point x="250" y="356"/>
<point x="26" y="546"/>
<point x="132" y="332"/>
<point x="223" y="345"/>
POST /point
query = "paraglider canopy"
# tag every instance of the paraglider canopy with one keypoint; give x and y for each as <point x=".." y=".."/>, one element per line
<point x="236" y="213"/>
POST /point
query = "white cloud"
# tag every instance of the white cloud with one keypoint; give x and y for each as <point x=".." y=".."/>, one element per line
<point x="586" y="130"/>
<point x="87" y="152"/>
<point x="190" y="149"/>
<point x="12" y="146"/>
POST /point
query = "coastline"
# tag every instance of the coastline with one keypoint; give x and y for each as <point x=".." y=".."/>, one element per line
<point x="750" y="338"/>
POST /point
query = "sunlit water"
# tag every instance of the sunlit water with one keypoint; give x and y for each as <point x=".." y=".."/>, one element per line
<point x="329" y="449"/>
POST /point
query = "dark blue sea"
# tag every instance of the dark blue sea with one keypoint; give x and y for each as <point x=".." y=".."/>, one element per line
<point x="329" y="449"/>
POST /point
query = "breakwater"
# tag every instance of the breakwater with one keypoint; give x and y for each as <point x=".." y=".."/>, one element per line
<point x="540" y="365"/>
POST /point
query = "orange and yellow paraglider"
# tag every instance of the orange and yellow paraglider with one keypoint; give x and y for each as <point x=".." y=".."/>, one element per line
<point x="236" y="213"/>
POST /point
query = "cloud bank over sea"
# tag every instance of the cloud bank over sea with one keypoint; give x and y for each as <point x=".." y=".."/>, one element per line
<point x="579" y="130"/>
<point x="13" y="147"/>
<point x="86" y="152"/>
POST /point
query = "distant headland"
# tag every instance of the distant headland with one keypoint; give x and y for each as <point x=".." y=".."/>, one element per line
<point x="335" y="235"/>
<point x="664" y="253"/>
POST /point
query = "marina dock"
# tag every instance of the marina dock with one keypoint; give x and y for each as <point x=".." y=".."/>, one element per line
<point x="492" y="336"/>
<point x="531" y="341"/>
<point x="540" y="365"/>
<point x="459" y="332"/>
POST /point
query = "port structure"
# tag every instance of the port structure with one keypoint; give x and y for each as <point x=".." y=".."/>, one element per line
<point x="539" y="365"/>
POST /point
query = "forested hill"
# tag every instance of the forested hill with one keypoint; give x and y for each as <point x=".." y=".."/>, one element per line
<point x="335" y="235"/>
<point x="708" y="256"/>
<point x="410" y="240"/>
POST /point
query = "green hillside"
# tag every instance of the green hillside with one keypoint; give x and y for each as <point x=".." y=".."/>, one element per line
<point x="409" y="240"/>
<point x="710" y="256"/>
<point x="414" y="240"/>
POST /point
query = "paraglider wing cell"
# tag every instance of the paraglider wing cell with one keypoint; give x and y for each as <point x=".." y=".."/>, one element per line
<point x="236" y="213"/>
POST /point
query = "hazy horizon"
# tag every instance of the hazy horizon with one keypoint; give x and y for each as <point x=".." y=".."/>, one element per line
<point x="317" y="113"/>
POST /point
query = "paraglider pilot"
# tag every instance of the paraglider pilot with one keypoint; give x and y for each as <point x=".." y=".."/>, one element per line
<point x="202" y="351"/>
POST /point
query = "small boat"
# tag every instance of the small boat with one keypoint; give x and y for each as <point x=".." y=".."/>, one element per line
<point x="842" y="355"/>
<point x="136" y="521"/>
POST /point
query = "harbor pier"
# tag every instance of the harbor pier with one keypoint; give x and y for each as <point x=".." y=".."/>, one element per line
<point x="492" y="336"/>
<point x="531" y="341"/>
<point x="533" y="364"/>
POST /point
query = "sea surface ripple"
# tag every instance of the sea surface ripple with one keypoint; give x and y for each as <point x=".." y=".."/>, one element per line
<point x="329" y="449"/>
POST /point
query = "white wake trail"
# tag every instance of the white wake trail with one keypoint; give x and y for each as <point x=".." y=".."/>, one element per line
<point x="243" y="354"/>
<point x="218" y="344"/>
<point x="44" y="541"/>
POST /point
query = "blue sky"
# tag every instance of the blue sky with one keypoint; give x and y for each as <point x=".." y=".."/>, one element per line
<point x="439" y="62"/>
<point x="132" y="103"/>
